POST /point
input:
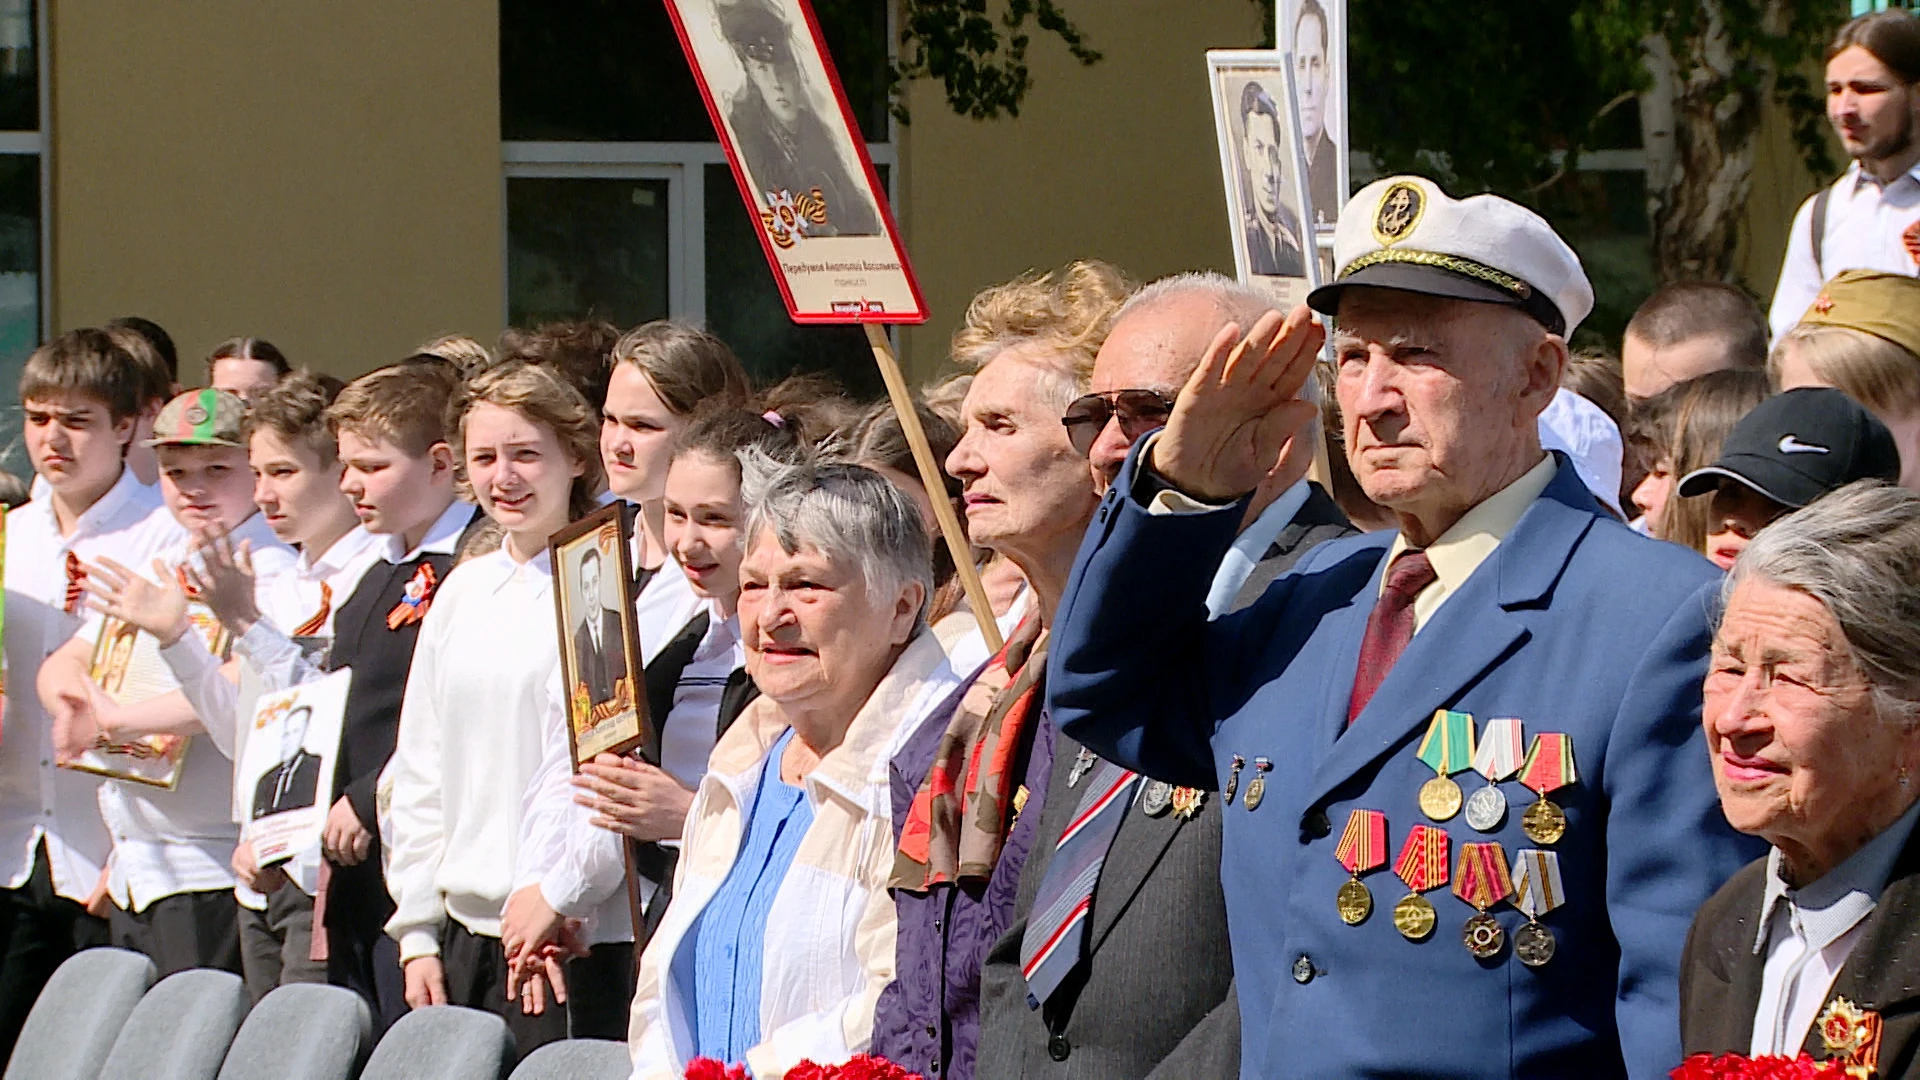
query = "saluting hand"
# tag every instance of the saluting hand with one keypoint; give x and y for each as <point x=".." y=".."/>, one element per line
<point x="1240" y="407"/>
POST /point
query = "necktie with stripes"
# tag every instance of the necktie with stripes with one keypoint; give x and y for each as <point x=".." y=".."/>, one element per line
<point x="319" y="621"/>
<point x="76" y="583"/>
<point x="1056" y="931"/>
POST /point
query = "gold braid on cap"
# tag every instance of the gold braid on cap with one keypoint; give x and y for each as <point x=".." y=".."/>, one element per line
<point x="1467" y="267"/>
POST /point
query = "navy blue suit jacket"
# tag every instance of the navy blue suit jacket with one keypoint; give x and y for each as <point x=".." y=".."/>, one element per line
<point x="1574" y="624"/>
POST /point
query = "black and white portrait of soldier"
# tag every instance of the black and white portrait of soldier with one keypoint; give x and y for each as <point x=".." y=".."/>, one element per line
<point x="295" y="782"/>
<point x="1313" y="81"/>
<point x="781" y="138"/>
<point x="599" y="651"/>
<point x="1271" y="227"/>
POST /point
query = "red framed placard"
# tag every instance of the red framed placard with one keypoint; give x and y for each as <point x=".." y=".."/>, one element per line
<point x="823" y="220"/>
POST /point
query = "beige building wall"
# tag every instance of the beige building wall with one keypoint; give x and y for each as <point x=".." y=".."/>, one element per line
<point x="323" y="174"/>
<point x="1117" y="161"/>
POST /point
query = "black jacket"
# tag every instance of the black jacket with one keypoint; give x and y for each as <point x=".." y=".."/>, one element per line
<point x="1720" y="973"/>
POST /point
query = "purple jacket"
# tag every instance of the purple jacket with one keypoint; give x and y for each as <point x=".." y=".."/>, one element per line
<point x="928" y="1019"/>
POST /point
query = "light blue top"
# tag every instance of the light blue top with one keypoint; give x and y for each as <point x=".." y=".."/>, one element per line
<point x="729" y="937"/>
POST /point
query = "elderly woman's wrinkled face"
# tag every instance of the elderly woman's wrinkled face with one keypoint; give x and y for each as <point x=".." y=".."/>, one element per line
<point x="1028" y="493"/>
<point x="1799" y="757"/>
<point x="813" y="631"/>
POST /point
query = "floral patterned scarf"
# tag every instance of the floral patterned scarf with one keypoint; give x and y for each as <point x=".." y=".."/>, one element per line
<point x="964" y="808"/>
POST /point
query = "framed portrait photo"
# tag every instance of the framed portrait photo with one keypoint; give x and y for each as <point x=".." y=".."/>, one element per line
<point x="283" y="783"/>
<point x="599" y="638"/>
<point x="1314" y="34"/>
<point x="803" y="169"/>
<point x="1264" y="170"/>
<point x="127" y="667"/>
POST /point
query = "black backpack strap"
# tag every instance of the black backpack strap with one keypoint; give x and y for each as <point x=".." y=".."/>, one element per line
<point x="1819" y="228"/>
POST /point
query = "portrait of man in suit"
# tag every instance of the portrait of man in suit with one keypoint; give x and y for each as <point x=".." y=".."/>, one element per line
<point x="777" y="130"/>
<point x="294" y="783"/>
<point x="1270" y="226"/>
<point x="1313" y="80"/>
<point x="599" y="650"/>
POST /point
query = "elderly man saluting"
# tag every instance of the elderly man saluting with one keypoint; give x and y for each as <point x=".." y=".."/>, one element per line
<point x="1510" y="639"/>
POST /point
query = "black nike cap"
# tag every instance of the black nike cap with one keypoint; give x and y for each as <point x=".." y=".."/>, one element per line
<point x="1797" y="446"/>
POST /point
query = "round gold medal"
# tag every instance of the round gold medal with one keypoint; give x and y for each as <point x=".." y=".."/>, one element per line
<point x="1440" y="798"/>
<point x="1544" y="823"/>
<point x="1414" y="918"/>
<point x="1533" y="944"/>
<point x="1355" y="902"/>
<point x="1483" y="936"/>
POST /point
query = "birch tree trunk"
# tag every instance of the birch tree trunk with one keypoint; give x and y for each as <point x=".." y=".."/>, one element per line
<point x="1700" y="159"/>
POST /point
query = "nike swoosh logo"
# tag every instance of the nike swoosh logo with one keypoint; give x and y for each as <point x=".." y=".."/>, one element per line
<point x="1791" y="444"/>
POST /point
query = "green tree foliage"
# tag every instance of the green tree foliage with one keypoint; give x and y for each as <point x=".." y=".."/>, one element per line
<point x="976" y="49"/>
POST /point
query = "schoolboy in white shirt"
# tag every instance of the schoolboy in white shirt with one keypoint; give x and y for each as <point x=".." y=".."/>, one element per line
<point x="81" y="396"/>
<point x="169" y="879"/>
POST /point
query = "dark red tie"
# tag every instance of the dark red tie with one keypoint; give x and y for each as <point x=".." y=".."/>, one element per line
<point x="1390" y="626"/>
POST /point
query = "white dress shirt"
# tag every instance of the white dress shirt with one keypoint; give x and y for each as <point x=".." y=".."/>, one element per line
<point x="181" y="841"/>
<point x="1808" y="932"/>
<point x="1865" y="220"/>
<point x="1250" y="546"/>
<point x="470" y="740"/>
<point x="39" y="801"/>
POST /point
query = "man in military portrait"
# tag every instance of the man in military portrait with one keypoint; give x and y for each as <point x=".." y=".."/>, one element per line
<point x="295" y="782"/>
<point x="599" y="650"/>
<point x="1313" y="81"/>
<point x="783" y="143"/>
<point x="1271" y="228"/>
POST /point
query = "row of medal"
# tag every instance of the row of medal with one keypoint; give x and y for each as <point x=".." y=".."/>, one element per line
<point x="1450" y="747"/>
<point x="1482" y="881"/>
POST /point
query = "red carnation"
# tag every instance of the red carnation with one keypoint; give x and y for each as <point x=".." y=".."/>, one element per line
<point x="1741" y="1067"/>
<point x="705" y="1068"/>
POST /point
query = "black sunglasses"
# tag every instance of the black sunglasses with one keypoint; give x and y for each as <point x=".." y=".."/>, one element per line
<point x="1140" y="411"/>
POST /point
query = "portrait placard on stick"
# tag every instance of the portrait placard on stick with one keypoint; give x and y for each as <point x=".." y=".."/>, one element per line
<point x="1314" y="34"/>
<point x="599" y="637"/>
<point x="831" y="240"/>
<point x="285" y="778"/>
<point x="1264" y="169"/>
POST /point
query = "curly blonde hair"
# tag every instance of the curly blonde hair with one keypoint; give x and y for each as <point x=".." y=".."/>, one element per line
<point x="1066" y="311"/>
<point x="542" y="395"/>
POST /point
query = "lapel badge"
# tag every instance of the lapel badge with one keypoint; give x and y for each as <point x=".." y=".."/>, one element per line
<point x="1851" y="1035"/>
<point x="1081" y="763"/>
<point x="1187" y="802"/>
<point x="1156" y="798"/>
<point x="415" y="599"/>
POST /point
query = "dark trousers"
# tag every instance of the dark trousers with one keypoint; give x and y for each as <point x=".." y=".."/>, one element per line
<point x="600" y="992"/>
<point x="185" y="930"/>
<point x="276" y="944"/>
<point x="476" y="973"/>
<point x="360" y="955"/>
<point x="39" y="930"/>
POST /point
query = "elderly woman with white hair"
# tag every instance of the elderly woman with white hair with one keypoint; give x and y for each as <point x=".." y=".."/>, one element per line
<point x="794" y="813"/>
<point x="1813" y="720"/>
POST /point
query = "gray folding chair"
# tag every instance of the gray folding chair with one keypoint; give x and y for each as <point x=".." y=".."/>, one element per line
<point x="443" y="1042"/>
<point x="79" y="1013"/>
<point x="577" y="1059"/>
<point x="302" y="1032"/>
<point x="181" y="1029"/>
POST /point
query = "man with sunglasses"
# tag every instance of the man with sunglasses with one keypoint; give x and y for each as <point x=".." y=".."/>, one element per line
<point x="1155" y="344"/>
<point x="1538" y="933"/>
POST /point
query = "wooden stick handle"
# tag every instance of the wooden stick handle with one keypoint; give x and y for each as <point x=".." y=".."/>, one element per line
<point x="936" y="484"/>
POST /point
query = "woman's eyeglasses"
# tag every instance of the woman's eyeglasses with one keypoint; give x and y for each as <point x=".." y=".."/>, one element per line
<point x="1140" y="411"/>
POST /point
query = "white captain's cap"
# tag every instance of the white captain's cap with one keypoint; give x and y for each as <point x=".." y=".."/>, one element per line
<point x="1405" y="233"/>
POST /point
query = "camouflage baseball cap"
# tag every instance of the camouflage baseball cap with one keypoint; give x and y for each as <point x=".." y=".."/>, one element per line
<point x="206" y="417"/>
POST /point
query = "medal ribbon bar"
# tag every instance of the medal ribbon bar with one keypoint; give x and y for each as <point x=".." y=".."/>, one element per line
<point x="1483" y="880"/>
<point x="1549" y="764"/>
<point x="1448" y="746"/>
<point x="1536" y="882"/>
<point x="1423" y="858"/>
<point x="1498" y="755"/>
<point x="1363" y="846"/>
